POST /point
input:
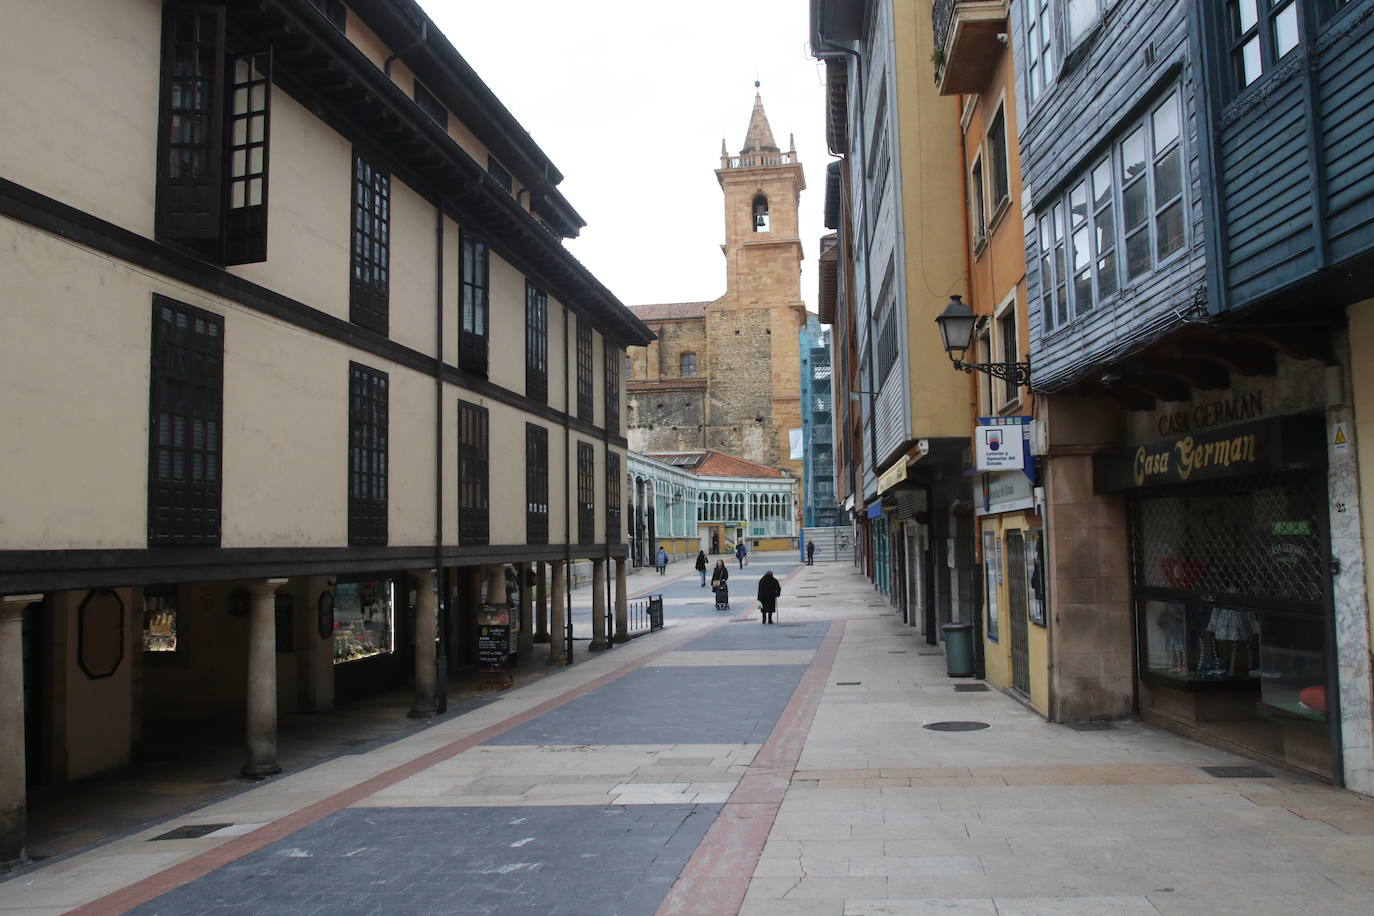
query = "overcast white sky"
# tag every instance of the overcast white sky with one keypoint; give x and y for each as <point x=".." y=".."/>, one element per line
<point x="630" y="99"/>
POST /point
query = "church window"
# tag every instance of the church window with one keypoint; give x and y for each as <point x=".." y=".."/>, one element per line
<point x="760" y="216"/>
<point x="687" y="365"/>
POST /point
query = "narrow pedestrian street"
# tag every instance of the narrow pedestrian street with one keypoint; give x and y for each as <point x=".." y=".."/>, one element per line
<point x="721" y="766"/>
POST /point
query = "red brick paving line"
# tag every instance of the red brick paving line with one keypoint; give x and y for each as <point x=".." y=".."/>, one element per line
<point x="141" y="892"/>
<point x="717" y="876"/>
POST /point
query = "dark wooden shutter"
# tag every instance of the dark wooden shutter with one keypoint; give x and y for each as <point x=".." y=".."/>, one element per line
<point x="612" y="498"/>
<point x="191" y="125"/>
<point x="586" y="493"/>
<point x="613" y="369"/>
<point x="186" y="401"/>
<point x="584" y="369"/>
<point x="536" y="343"/>
<point x="472" y="329"/>
<point x="474" y="515"/>
<point x="368" y="456"/>
<point x="536" y="484"/>
<point x="371" y="236"/>
<point x="250" y="109"/>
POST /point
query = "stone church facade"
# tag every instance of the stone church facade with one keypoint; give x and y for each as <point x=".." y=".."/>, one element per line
<point x="722" y="375"/>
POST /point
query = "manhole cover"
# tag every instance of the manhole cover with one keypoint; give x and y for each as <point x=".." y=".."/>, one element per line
<point x="848" y="683"/>
<point x="970" y="688"/>
<point x="955" y="726"/>
<point x="190" y="832"/>
<point x="1092" y="726"/>
<point x="1236" y="772"/>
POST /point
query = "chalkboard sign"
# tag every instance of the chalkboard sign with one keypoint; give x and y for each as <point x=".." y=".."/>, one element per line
<point x="655" y="612"/>
<point x="493" y="646"/>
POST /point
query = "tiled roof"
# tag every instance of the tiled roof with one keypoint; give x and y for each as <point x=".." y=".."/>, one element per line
<point x="715" y="464"/>
<point x="668" y="310"/>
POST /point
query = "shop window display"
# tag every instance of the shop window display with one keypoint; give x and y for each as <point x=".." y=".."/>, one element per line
<point x="364" y="619"/>
<point x="160" y="619"/>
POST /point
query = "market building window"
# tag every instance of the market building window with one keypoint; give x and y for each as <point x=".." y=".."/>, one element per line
<point x="586" y="493"/>
<point x="186" y="406"/>
<point x="536" y="484"/>
<point x="473" y="262"/>
<point x="1134" y="194"/>
<point x="215" y="106"/>
<point x="536" y="343"/>
<point x="612" y="498"/>
<point x="687" y="365"/>
<point x="371" y="258"/>
<point x="367" y="456"/>
<point x="474" y="514"/>
<point x="364" y="619"/>
<point x="585" y="383"/>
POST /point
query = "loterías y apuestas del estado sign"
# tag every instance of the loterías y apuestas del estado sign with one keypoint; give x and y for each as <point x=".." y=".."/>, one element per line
<point x="1282" y="443"/>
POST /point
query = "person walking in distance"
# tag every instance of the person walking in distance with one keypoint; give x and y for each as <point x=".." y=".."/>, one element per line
<point x="741" y="553"/>
<point x="769" y="590"/>
<point x="701" y="566"/>
<point x="810" y="553"/>
<point x="661" y="561"/>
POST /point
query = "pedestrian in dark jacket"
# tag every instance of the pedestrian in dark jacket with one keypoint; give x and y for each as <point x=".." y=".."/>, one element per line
<point x="769" y="590"/>
<point x="741" y="553"/>
<point x="810" y="553"/>
<point x="701" y="566"/>
<point x="718" y="587"/>
<point x="662" y="560"/>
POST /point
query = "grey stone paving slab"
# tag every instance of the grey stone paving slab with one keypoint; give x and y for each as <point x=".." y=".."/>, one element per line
<point x="619" y="859"/>
<point x="785" y="635"/>
<point x="735" y="704"/>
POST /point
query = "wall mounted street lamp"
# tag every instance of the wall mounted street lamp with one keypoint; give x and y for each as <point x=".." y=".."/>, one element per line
<point x="956" y="324"/>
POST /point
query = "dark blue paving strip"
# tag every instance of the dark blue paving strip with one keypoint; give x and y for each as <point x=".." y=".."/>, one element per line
<point x="755" y="635"/>
<point x="564" y="859"/>
<point x="735" y="704"/>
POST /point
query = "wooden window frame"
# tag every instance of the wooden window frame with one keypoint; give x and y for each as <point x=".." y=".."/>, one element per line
<point x="429" y="103"/>
<point x="1040" y="47"/>
<point x="474" y="475"/>
<point x="978" y="203"/>
<point x="370" y="246"/>
<point x="586" y="493"/>
<point x="474" y="281"/>
<point x="999" y="164"/>
<point x="1263" y="33"/>
<point x="502" y="174"/>
<point x="185" y="425"/>
<point x="536" y="343"/>
<point x="368" y="455"/>
<point x="586" y="385"/>
<point x="685" y="362"/>
<point x="536" y="484"/>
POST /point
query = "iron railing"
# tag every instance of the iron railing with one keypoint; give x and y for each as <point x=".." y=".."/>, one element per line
<point x="941" y="16"/>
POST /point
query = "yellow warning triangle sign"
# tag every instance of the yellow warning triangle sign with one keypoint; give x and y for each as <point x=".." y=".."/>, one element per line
<point x="1340" y="435"/>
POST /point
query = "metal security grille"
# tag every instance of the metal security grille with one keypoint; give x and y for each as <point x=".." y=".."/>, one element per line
<point x="1259" y="537"/>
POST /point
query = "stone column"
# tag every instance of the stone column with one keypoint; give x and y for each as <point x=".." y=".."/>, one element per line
<point x="558" y="655"/>
<point x="262" y="679"/>
<point x="622" y="607"/>
<point x="524" y="642"/>
<point x="541" y="603"/>
<point x="599" y="606"/>
<point x="426" y="619"/>
<point x="496" y="584"/>
<point x="13" y="809"/>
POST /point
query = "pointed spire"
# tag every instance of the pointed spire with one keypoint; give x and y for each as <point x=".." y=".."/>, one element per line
<point x="759" y="138"/>
<point x="723" y="150"/>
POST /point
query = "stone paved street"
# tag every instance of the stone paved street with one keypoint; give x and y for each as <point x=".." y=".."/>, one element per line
<point x="720" y="766"/>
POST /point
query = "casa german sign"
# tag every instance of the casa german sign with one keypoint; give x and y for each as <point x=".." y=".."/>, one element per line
<point x="1280" y="444"/>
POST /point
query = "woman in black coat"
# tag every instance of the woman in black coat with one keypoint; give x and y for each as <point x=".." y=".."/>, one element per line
<point x="701" y="566"/>
<point x="718" y="576"/>
<point x="769" y="590"/>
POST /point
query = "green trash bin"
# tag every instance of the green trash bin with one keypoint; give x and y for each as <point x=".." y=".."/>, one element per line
<point x="958" y="649"/>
